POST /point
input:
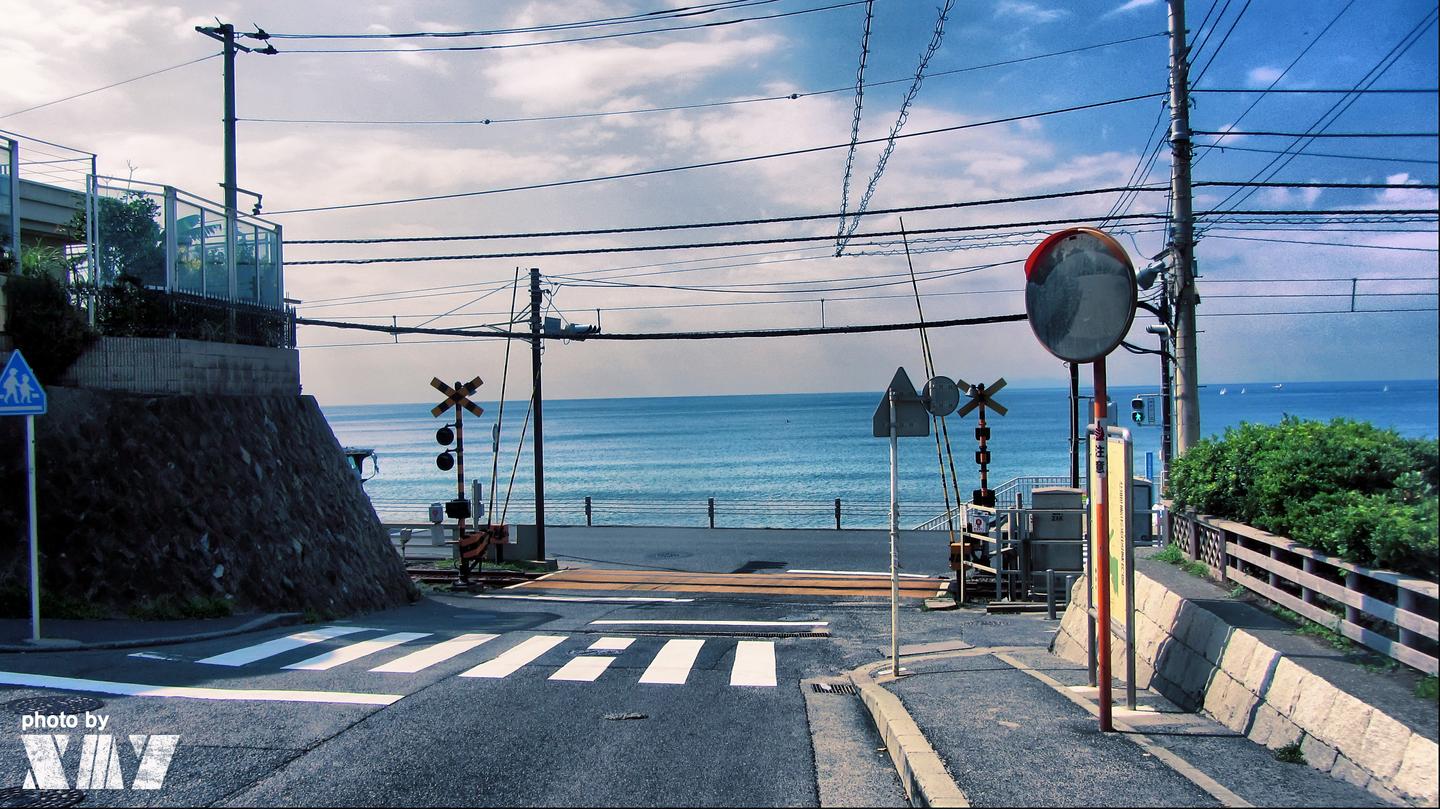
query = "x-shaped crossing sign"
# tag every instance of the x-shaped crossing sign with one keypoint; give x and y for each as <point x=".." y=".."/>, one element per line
<point x="456" y="396"/>
<point x="980" y="395"/>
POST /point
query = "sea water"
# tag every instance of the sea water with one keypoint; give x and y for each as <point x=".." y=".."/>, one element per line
<point x="783" y="460"/>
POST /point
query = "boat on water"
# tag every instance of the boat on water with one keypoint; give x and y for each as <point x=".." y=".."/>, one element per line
<point x="1242" y="391"/>
<point x="1224" y="391"/>
<point x="1278" y="386"/>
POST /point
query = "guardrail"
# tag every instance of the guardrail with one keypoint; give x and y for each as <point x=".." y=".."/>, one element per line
<point x="1390" y="613"/>
<point x="1004" y="496"/>
<point x="714" y="512"/>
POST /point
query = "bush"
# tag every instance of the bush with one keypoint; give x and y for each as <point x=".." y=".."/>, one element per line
<point x="45" y="325"/>
<point x="1344" y="487"/>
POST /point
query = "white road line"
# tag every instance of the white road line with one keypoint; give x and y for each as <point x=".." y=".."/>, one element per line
<point x="608" y="644"/>
<point x="754" y="663"/>
<point x="586" y="599"/>
<point x="672" y="665"/>
<point x="523" y="583"/>
<point x="861" y="573"/>
<point x="512" y="659"/>
<point x="583" y="669"/>
<point x="250" y="654"/>
<point x="708" y="623"/>
<point x="438" y="653"/>
<point x="188" y="692"/>
<point x="355" y="651"/>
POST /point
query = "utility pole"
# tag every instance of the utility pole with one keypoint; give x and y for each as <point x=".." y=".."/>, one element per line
<point x="535" y="305"/>
<point x="1182" y="242"/>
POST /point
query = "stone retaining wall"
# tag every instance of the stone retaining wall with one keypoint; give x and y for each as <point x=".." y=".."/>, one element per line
<point x="173" y="367"/>
<point x="1200" y="662"/>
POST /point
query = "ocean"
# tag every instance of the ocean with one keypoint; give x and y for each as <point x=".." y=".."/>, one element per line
<point x="782" y="460"/>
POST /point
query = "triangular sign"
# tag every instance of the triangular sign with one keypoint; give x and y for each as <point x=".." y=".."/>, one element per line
<point x="20" y="391"/>
<point x="911" y="416"/>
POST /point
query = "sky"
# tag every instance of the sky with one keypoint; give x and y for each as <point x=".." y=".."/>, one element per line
<point x="999" y="59"/>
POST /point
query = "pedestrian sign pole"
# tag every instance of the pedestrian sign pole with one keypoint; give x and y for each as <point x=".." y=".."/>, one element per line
<point x="21" y="395"/>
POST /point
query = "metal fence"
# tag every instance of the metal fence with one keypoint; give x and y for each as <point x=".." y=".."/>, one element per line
<point x="1004" y="496"/>
<point x="1390" y="613"/>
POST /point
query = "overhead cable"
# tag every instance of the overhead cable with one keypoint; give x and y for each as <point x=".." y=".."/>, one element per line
<point x="108" y="86"/>
<point x="855" y="119"/>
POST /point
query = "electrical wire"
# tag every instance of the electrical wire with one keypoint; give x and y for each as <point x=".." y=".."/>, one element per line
<point x="713" y="163"/>
<point x="1321" y="134"/>
<point x="855" y="119"/>
<point x="1223" y="40"/>
<point x="1226" y="148"/>
<point x="108" y="86"/>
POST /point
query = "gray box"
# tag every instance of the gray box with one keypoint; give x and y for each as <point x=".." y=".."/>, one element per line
<point x="1056" y="513"/>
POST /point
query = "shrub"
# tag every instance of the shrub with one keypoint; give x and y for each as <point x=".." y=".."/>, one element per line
<point x="1344" y="487"/>
<point x="45" y="325"/>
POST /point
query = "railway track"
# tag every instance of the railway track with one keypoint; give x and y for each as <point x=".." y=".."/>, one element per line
<point x="487" y="578"/>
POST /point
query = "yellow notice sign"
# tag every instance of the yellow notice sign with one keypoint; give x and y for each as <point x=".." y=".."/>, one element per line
<point x="1118" y="455"/>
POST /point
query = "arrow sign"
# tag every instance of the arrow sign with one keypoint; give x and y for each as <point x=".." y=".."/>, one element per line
<point x="457" y="397"/>
<point x="20" y="391"/>
<point x="981" y="395"/>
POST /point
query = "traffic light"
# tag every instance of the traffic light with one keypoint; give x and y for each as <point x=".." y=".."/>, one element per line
<point x="1137" y="410"/>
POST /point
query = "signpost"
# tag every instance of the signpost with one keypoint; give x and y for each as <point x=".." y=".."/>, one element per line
<point x="21" y="395"/>
<point x="458" y="395"/>
<point x="900" y="412"/>
<point x="1080" y="301"/>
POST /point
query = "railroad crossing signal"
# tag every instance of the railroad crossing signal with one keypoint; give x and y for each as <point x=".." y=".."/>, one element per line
<point x="980" y="396"/>
<point x="458" y="395"/>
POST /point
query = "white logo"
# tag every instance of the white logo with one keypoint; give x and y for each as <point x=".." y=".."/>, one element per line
<point x="99" y="766"/>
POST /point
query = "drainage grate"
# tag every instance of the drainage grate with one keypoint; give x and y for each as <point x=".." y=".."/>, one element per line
<point x="835" y="688"/>
<point x="50" y="706"/>
<point x="43" y="798"/>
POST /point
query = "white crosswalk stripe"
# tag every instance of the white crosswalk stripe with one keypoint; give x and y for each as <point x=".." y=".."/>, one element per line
<point x="355" y="651"/>
<point x="587" y="669"/>
<point x="672" y="665"/>
<point x="754" y="663"/>
<point x="436" y="653"/>
<point x="250" y="654"/>
<point x="512" y="659"/>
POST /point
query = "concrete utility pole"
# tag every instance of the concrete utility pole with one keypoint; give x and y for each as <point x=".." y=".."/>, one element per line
<point x="535" y="305"/>
<point x="1182" y="242"/>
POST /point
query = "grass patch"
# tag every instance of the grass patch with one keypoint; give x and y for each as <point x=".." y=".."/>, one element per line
<point x="1290" y="754"/>
<point x="1428" y="688"/>
<point x="1174" y="555"/>
<point x="1380" y="665"/>
<point x="1305" y="626"/>
<point x="173" y="608"/>
<point x="1238" y="591"/>
<point x="444" y="564"/>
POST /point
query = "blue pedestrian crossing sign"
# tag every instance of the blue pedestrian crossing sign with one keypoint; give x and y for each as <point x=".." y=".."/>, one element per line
<point x="20" y="391"/>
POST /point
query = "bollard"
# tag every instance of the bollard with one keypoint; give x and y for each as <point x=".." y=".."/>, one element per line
<point x="588" y="521"/>
<point x="837" y="514"/>
<point x="712" y="512"/>
<point x="1050" y="594"/>
<point x="1069" y="588"/>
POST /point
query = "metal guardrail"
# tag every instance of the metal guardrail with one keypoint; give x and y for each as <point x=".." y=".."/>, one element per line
<point x="1004" y="495"/>
<point x="1390" y="613"/>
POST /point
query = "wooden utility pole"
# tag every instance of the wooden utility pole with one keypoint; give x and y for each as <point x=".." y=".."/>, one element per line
<point x="1182" y="237"/>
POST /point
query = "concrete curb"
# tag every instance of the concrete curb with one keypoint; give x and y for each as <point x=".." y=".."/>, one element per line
<point x="921" y="770"/>
<point x="267" y="621"/>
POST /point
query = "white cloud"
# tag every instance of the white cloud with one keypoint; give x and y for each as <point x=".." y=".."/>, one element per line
<point x="1132" y="5"/>
<point x="1028" y="12"/>
<point x="1262" y="76"/>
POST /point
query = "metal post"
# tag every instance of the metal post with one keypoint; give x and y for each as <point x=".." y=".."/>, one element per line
<point x="34" y="531"/>
<point x="588" y="521"/>
<point x="1069" y="589"/>
<point x="539" y="446"/>
<point x="1074" y="425"/>
<point x="837" y="514"/>
<point x="1100" y="552"/>
<point x="227" y="31"/>
<point x="1187" y="386"/>
<point x="1167" y="418"/>
<point x="1050" y="594"/>
<point x="894" y="540"/>
<point x="710" y="509"/>
<point x="460" y="522"/>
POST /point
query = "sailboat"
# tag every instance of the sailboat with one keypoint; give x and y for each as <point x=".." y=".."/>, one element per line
<point x="1224" y="391"/>
<point x="1242" y="391"/>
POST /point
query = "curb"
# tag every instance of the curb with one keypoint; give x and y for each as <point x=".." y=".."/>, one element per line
<point x="267" y="621"/>
<point x="921" y="771"/>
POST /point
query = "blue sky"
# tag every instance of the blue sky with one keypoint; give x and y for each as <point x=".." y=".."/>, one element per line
<point x="167" y="128"/>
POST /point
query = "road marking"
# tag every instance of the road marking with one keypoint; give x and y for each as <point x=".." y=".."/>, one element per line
<point x="189" y="692"/>
<point x="860" y="573"/>
<point x="438" y="653"/>
<point x="585" y="599"/>
<point x="709" y="623"/>
<point x="611" y="644"/>
<point x="250" y="654"/>
<point x="754" y="663"/>
<point x="672" y="665"/>
<point x="588" y="669"/>
<point x="355" y="651"/>
<point x="512" y="659"/>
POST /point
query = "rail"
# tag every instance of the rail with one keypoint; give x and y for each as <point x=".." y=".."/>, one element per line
<point x="1390" y="613"/>
<point x="1004" y="495"/>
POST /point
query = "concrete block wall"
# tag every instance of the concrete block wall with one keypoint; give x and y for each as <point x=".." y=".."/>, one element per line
<point x="162" y="366"/>
<point x="1201" y="663"/>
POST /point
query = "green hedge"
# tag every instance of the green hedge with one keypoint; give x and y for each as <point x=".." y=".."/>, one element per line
<point x="1344" y="487"/>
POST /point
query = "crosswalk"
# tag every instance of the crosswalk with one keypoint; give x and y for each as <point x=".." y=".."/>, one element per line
<point x="752" y="662"/>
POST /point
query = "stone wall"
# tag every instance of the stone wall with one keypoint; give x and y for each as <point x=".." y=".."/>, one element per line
<point x="185" y="367"/>
<point x="1191" y="654"/>
<point x="246" y="498"/>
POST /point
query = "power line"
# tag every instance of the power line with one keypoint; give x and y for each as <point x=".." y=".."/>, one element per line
<point x="695" y="106"/>
<point x="1328" y="244"/>
<point x="1323" y="134"/>
<point x="1317" y="91"/>
<point x="1226" y="148"/>
<point x="713" y="163"/>
<point x="1223" y="40"/>
<point x="855" y="119"/>
<point x="591" y="38"/>
<point x="108" y="86"/>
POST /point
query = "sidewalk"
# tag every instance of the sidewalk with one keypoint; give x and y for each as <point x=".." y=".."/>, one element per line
<point x="68" y="635"/>
<point x="1016" y="725"/>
